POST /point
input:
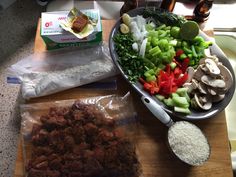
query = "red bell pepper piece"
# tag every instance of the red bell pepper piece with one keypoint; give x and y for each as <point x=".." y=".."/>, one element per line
<point x="180" y="81"/>
<point x="184" y="64"/>
<point x="177" y="72"/>
<point x="152" y="87"/>
<point x="179" y="52"/>
<point x="168" y="68"/>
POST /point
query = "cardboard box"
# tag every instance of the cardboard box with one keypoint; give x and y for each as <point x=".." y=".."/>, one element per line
<point x="55" y="37"/>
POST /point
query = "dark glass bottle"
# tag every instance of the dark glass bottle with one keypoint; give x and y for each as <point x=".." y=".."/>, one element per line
<point x="168" y="5"/>
<point x="128" y="5"/>
<point x="202" y="10"/>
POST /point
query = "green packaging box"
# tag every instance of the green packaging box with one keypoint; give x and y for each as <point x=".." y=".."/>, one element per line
<point x="55" y="37"/>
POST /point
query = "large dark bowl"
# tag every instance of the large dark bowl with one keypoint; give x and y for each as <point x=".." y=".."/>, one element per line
<point x="196" y="114"/>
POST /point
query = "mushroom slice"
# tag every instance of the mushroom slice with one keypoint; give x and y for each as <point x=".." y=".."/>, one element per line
<point x="204" y="68"/>
<point x="211" y="91"/>
<point x="198" y="73"/>
<point x="195" y="83"/>
<point x="202" y="88"/>
<point x="227" y="76"/>
<point x="207" y="52"/>
<point x="213" y="57"/>
<point x="212" y="67"/>
<point x="216" y="91"/>
<point x="202" y="61"/>
<point x="190" y="71"/>
<point x="217" y="83"/>
<point x="204" y="105"/>
<point x="204" y="99"/>
<point x="194" y="103"/>
<point x="217" y="98"/>
<point x="189" y="86"/>
<point x="221" y="91"/>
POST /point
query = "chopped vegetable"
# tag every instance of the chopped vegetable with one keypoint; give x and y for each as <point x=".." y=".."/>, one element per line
<point x="135" y="46"/>
<point x="143" y="47"/>
<point x="130" y="61"/>
<point x="164" y="17"/>
<point x="156" y="49"/>
<point x="126" y="19"/>
<point x="124" y="28"/>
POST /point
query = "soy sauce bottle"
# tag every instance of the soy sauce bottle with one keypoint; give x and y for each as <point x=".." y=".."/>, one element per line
<point x="128" y="5"/>
<point x="168" y="5"/>
<point x="202" y="10"/>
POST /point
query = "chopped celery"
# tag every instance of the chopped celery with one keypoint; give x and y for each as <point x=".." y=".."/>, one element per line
<point x="160" y="97"/>
<point x="173" y="42"/>
<point x="174" y="95"/>
<point x="182" y="110"/>
<point x="180" y="102"/>
<point x="183" y="92"/>
<point x="173" y="65"/>
<point x="151" y="78"/>
<point x="155" y="50"/>
<point x="161" y="27"/>
<point x="169" y="102"/>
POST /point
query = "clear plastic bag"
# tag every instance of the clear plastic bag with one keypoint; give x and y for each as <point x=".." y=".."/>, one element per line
<point x="53" y="71"/>
<point x="116" y="125"/>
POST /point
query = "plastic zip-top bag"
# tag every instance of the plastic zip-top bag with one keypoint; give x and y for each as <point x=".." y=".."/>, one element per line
<point x="87" y="137"/>
<point x="49" y="72"/>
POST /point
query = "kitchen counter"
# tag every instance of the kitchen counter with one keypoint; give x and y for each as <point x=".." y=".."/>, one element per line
<point x="14" y="45"/>
<point x="9" y="94"/>
<point x="154" y="156"/>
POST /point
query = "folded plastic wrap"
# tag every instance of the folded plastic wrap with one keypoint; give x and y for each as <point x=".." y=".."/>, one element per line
<point x="53" y="71"/>
<point x="58" y="136"/>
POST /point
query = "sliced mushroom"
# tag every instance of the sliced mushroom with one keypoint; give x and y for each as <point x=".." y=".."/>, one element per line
<point x="204" y="105"/>
<point x="189" y="86"/>
<point x="213" y="82"/>
<point x="217" y="98"/>
<point x="210" y="82"/>
<point x="194" y="103"/>
<point x="227" y="76"/>
<point x="211" y="91"/>
<point x="204" y="99"/>
<point x="198" y="74"/>
<point x="190" y="71"/>
<point x="195" y="83"/>
<point x="207" y="52"/>
<point x="202" y="61"/>
<point x="218" y="91"/>
<point x="204" y="68"/>
<point x="221" y="91"/>
<point x="213" y="57"/>
<point x="212" y="67"/>
<point x="202" y="88"/>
